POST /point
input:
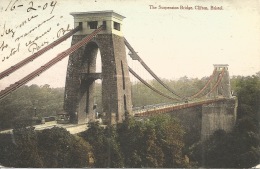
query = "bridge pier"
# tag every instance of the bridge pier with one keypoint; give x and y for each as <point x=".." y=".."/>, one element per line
<point x="218" y="115"/>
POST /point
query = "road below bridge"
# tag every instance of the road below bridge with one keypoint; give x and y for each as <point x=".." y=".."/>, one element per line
<point x="72" y="128"/>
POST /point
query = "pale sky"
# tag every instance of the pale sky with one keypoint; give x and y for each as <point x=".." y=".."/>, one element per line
<point x="173" y="42"/>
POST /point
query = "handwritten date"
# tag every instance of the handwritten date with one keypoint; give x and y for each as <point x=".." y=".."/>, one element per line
<point x="30" y="6"/>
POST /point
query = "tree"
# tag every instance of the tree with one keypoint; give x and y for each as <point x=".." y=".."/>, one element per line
<point x="61" y="149"/>
<point x="171" y="139"/>
<point x="49" y="148"/>
<point x="248" y="93"/>
<point x="156" y="142"/>
<point x="130" y="138"/>
<point x="106" y="148"/>
<point x="115" y="157"/>
<point x="22" y="150"/>
<point x="153" y="154"/>
<point x="96" y="138"/>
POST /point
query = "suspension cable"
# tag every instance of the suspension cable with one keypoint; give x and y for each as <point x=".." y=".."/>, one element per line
<point x="206" y="85"/>
<point x="35" y="55"/>
<point x="149" y="86"/>
<point x="135" y="56"/>
<point x="217" y="83"/>
<point x="49" y="64"/>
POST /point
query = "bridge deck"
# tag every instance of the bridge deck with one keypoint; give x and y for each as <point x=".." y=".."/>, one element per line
<point x="165" y="108"/>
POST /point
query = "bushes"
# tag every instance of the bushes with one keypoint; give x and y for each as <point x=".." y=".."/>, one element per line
<point x="50" y="148"/>
<point x="157" y="142"/>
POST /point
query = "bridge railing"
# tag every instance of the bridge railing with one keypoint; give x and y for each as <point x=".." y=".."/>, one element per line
<point x="142" y="109"/>
<point x="179" y="105"/>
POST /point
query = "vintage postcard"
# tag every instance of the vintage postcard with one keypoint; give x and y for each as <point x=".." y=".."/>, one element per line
<point x="111" y="83"/>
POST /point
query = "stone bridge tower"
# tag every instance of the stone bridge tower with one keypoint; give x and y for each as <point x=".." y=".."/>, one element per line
<point x="222" y="114"/>
<point x="224" y="88"/>
<point x="81" y="70"/>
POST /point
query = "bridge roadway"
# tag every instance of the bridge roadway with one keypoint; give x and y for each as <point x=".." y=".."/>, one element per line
<point x="166" y="108"/>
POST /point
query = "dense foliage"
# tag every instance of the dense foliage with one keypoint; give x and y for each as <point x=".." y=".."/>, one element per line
<point x="50" y="148"/>
<point x="156" y="142"/>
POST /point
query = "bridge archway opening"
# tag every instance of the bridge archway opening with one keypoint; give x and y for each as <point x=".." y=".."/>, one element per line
<point x="98" y="87"/>
<point x="91" y="84"/>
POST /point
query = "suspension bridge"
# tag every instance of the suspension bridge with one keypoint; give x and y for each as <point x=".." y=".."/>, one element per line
<point x="102" y="30"/>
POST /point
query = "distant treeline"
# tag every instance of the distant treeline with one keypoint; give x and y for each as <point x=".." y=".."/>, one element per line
<point x="30" y="101"/>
